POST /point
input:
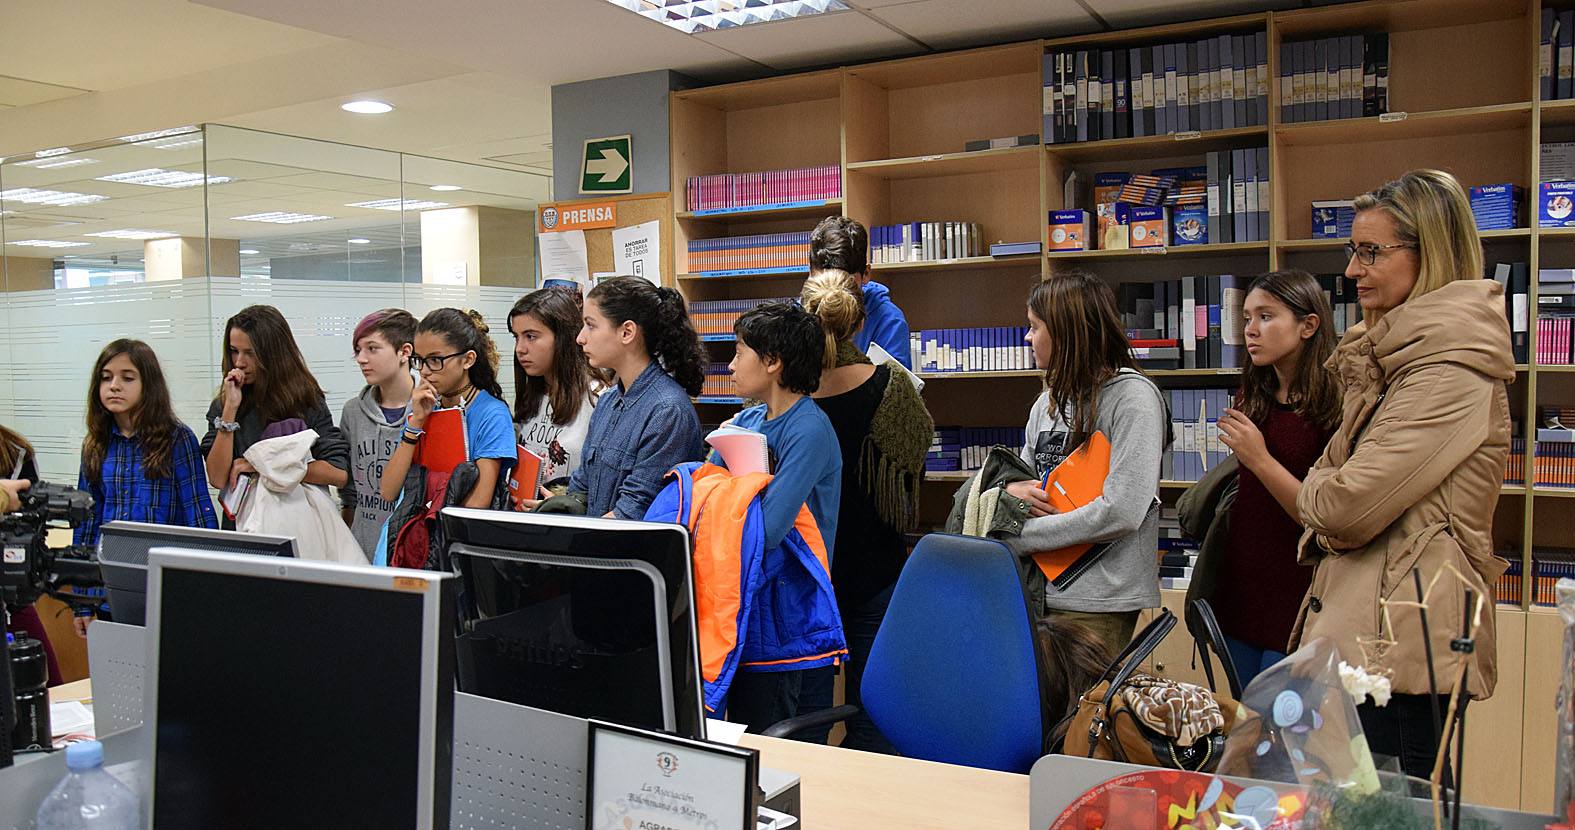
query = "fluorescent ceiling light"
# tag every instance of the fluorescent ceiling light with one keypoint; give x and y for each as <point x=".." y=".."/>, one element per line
<point x="359" y="241"/>
<point x="367" y="107"/>
<point x="58" y="151"/>
<point x="49" y="243"/>
<point x="55" y="198"/>
<point x="281" y="217"/>
<point x="157" y="134"/>
<point x="159" y="177"/>
<point x="48" y="163"/>
<point x="133" y="233"/>
<point x="174" y="142"/>
<point x="248" y="251"/>
<point x="695" y="16"/>
<point x="445" y="187"/>
<point x="399" y="204"/>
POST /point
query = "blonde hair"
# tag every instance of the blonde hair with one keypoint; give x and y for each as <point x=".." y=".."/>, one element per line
<point x="835" y="298"/>
<point x="1431" y="211"/>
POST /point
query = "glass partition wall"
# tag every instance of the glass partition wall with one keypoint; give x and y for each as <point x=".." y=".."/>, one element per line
<point x="163" y="236"/>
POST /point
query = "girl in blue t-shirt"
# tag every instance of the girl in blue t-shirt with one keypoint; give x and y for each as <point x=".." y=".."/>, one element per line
<point x="459" y="369"/>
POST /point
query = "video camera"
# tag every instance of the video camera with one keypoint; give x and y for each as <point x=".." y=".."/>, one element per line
<point x="29" y="568"/>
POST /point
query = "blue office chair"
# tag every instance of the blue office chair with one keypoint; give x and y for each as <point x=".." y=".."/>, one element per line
<point x="953" y="674"/>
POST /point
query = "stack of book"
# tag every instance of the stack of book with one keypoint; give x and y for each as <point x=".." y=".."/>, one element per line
<point x="755" y="253"/>
<point x="1553" y="461"/>
<point x="1200" y="316"/>
<point x="925" y="241"/>
<point x="1195" y="435"/>
<point x="1178" y="555"/>
<point x="1000" y="349"/>
<point x="1548" y="566"/>
<point x="1556" y="57"/>
<point x="1238" y="195"/>
<point x="718" y="381"/>
<point x="965" y="448"/>
<point x="1507" y="589"/>
<point x="1515" y="466"/>
<point x="718" y="316"/>
<point x="754" y="190"/>
<point x="1515" y="276"/>
<point x="1218" y="83"/>
<point x="1334" y="77"/>
<point x="1556" y="316"/>
<point x="1498" y="206"/>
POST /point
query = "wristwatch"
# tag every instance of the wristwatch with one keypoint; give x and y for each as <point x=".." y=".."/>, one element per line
<point x="225" y="426"/>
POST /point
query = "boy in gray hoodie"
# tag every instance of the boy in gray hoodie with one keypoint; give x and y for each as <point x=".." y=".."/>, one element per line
<point x="373" y="421"/>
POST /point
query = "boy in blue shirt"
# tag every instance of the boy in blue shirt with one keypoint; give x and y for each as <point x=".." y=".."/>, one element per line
<point x="780" y="354"/>
<point x="842" y="244"/>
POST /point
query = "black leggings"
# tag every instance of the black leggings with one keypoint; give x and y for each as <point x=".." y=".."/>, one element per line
<point x="1404" y="729"/>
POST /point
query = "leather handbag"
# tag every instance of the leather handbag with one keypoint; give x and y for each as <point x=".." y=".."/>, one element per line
<point x="1137" y="718"/>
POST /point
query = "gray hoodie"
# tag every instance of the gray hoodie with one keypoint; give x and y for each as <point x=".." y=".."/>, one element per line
<point x="373" y="439"/>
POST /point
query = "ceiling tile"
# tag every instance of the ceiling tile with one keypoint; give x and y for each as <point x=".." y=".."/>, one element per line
<point x="839" y="37"/>
<point x="947" y="24"/>
<point x="1125" y="14"/>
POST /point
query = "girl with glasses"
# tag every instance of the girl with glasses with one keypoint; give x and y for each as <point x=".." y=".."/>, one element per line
<point x="459" y="370"/>
<point x="266" y="381"/>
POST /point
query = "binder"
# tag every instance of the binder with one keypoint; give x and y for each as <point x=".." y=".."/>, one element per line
<point x="1232" y="337"/>
<point x="1080" y="78"/>
<point x="1051" y="98"/>
<point x="1227" y="98"/>
<point x="1107" y="94"/>
<point x="1566" y="55"/>
<point x="1096" y="98"/>
<point x="1068" y="99"/>
<point x="1260" y="64"/>
<point x="1173" y="118"/>
<point x="1517" y="297"/>
<point x="1189" y="339"/>
<point x="1216" y="342"/>
<point x="1238" y="184"/>
<point x="1545" y="54"/>
<point x="1246" y="113"/>
<point x="1183" y="95"/>
<point x="1146" y="57"/>
<point x="1135" y="90"/>
<point x="1261" y="161"/>
<point x="1156" y="57"/>
<point x="1369" y="76"/>
<point x="1076" y="481"/>
<point x="1215" y="186"/>
<point x="1123" y="109"/>
<point x="1238" y="69"/>
<point x="1211" y="113"/>
<point x="1194" y="86"/>
<point x="1353" y="77"/>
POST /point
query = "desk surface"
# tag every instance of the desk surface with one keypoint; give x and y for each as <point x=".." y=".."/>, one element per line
<point x="845" y="788"/>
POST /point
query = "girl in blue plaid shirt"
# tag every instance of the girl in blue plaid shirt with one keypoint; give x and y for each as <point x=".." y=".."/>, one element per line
<point x="139" y="461"/>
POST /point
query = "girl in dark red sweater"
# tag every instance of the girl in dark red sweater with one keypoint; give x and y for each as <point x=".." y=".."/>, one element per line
<point x="1290" y="405"/>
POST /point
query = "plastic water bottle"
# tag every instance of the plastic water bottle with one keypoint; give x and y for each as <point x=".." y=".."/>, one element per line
<point x="89" y="798"/>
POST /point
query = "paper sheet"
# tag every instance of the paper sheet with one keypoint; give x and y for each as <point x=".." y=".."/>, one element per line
<point x="637" y="251"/>
<point x="70" y="717"/>
<point x="563" y="257"/>
<point x="723" y="732"/>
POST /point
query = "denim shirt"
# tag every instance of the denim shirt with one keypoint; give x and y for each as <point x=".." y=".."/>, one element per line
<point x="637" y="434"/>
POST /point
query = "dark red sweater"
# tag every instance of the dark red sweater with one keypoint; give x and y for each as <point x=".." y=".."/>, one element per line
<point x="1260" y="585"/>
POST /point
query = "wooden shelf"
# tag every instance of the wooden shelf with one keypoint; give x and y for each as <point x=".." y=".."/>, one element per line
<point x="1399" y="126"/>
<point x="1557" y="234"/>
<point x="951" y="164"/>
<point x="764" y="212"/>
<point x="1222" y="249"/>
<point x="767" y="92"/>
<point x="1555" y="369"/>
<point x="1385" y="16"/>
<point x="1157" y="146"/>
<point x="1192" y="373"/>
<point x="1172" y="484"/>
<point x="1008" y="373"/>
<point x="949" y="475"/>
<point x="1554" y="492"/>
<point x="964" y="264"/>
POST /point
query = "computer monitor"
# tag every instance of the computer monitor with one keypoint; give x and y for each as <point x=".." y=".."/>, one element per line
<point x="286" y="693"/>
<point x="584" y="616"/>
<point x="123" y="557"/>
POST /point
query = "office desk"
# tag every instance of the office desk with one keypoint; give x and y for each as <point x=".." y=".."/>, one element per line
<point x="845" y="788"/>
<point x="77" y="690"/>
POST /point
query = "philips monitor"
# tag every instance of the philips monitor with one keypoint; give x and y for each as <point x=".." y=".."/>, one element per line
<point x="583" y="616"/>
<point x="285" y="693"/>
<point x="123" y="557"/>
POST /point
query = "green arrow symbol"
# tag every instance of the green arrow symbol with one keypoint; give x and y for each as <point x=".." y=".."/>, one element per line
<point x="609" y="167"/>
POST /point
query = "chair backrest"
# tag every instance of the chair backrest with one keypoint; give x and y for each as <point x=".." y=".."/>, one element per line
<point x="953" y="675"/>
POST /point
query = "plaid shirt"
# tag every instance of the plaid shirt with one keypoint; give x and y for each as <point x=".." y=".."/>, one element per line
<point x="636" y="436"/>
<point x="122" y="492"/>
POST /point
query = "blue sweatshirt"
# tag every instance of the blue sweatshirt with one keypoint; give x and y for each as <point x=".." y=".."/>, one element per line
<point x="884" y="324"/>
<point x="807" y="469"/>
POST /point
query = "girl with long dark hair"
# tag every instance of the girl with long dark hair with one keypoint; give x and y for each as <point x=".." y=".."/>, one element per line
<point x="554" y="390"/>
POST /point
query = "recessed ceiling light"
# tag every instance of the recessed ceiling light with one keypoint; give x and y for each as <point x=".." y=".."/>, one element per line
<point x="399" y="204"/>
<point x="159" y="177"/>
<point x="695" y="16"/>
<point x="359" y="241"/>
<point x="174" y="142"/>
<point x="56" y="198"/>
<point x="133" y="233"/>
<point x="446" y="187"/>
<point x="129" y="139"/>
<point x="248" y="251"/>
<point x="49" y="243"/>
<point x="281" y="217"/>
<point x="367" y="107"/>
<point x="48" y="163"/>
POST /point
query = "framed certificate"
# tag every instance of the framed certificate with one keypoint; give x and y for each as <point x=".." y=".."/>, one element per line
<point x="642" y="780"/>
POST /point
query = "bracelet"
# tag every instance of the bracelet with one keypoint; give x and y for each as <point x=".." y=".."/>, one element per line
<point x="411" y="439"/>
<point x="416" y="431"/>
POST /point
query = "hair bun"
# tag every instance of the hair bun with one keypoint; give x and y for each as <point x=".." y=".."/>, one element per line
<point x="479" y="320"/>
<point x="835" y="298"/>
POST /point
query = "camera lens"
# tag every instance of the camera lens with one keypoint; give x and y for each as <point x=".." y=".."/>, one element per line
<point x="30" y="676"/>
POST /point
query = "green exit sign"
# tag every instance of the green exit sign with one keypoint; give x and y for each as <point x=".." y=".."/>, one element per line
<point x="607" y="166"/>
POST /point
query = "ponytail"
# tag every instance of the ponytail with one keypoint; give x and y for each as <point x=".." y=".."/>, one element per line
<point x="468" y="331"/>
<point x="660" y="314"/>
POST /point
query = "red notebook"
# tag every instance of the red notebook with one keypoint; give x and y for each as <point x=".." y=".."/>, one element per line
<point x="525" y="479"/>
<point x="1076" y="481"/>
<point x="445" y="444"/>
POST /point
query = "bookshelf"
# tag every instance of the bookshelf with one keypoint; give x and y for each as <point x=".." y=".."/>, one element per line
<point x="897" y="130"/>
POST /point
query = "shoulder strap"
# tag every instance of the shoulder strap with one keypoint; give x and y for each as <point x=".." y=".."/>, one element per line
<point x="1136" y="651"/>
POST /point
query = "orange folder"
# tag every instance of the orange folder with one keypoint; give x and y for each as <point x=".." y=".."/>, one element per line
<point x="1075" y="482"/>
<point x="445" y="444"/>
<point x="525" y="478"/>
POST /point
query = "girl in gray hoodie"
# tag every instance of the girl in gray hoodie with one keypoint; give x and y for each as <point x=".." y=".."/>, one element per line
<point x="373" y="420"/>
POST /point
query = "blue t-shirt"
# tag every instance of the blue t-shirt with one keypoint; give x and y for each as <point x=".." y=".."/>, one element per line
<point x="489" y="429"/>
<point x="808" y="469"/>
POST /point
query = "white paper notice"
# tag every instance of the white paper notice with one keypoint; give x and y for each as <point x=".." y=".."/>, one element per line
<point x="563" y="258"/>
<point x="639" y="783"/>
<point x="637" y="251"/>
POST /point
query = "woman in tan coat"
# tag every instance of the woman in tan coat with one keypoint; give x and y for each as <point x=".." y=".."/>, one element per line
<point x="1412" y="475"/>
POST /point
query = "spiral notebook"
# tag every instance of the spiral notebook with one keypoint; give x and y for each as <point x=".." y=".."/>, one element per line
<point x="744" y="451"/>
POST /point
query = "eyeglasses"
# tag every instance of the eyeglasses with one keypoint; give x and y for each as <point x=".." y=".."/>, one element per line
<point x="1367" y="254"/>
<point x="435" y="362"/>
